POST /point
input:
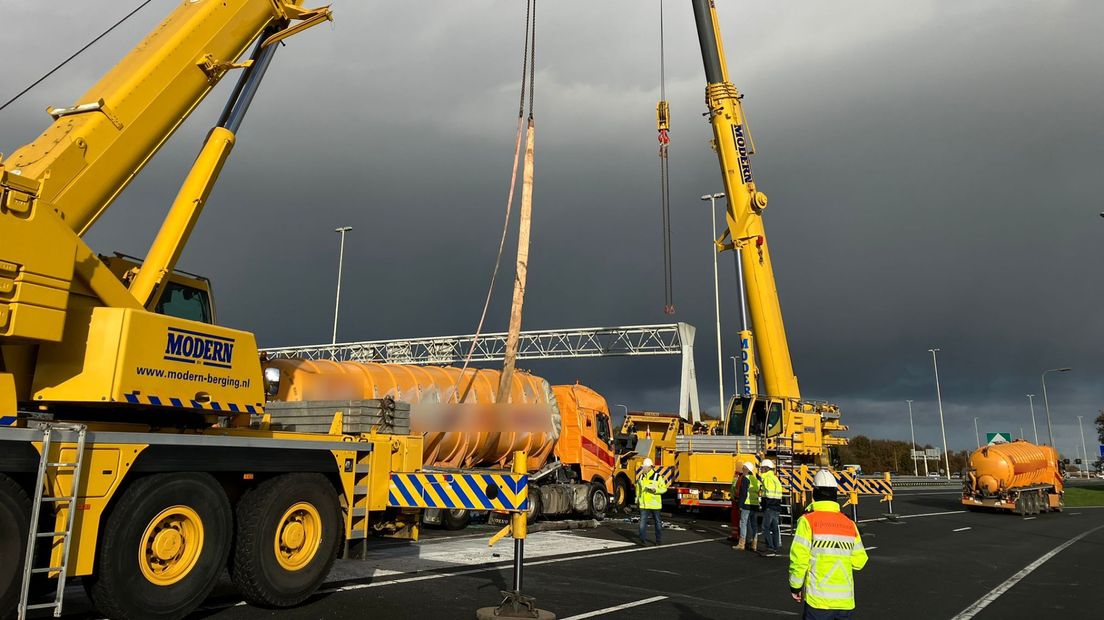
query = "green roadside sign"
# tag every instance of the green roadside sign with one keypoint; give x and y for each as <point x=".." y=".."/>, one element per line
<point x="995" y="438"/>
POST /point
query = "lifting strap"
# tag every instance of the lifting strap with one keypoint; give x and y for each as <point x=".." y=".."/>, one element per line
<point x="522" y="267"/>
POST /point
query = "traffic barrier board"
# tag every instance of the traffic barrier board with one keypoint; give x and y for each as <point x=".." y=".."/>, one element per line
<point x="470" y="490"/>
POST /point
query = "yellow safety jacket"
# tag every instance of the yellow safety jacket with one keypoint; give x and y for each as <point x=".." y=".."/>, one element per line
<point x="753" y="491"/>
<point x="650" y="489"/>
<point x="772" y="486"/>
<point x="826" y="549"/>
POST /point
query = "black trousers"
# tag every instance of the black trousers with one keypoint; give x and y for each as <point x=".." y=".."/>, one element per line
<point x="812" y="613"/>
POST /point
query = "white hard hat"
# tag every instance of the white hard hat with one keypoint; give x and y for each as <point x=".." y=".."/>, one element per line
<point x="825" y="480"/>
<point x="749" y="466"/>
<point x="767" y="463"/>
<point x="647" y="463"/>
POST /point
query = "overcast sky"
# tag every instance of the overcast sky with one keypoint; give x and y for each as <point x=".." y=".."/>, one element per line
<point x="934" y="173"/>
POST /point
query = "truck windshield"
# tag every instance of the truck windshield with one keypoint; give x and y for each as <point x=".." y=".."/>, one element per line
<point x="184" y="302"/>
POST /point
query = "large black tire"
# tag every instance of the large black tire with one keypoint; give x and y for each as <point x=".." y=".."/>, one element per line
<point x="455" y="519"/>
<point x="304" y="512"/>
<point x="126" y="586"/>
<point x="536" y="505"/>
<point x="15" y="523"/>
<point x="622" y="494"/>
<point x="598" y="501"/>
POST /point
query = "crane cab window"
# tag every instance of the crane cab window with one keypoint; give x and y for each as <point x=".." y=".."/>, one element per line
<point x="603" y="429"/>
<point x="757" y="422"/>
<point x="185" y="302"/>
<point x="738" y="416"/>
<point x="774" y="419"/>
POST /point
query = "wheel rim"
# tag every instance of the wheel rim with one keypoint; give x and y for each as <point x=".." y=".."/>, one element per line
<point x="620" y="494"/>
<point x="171" y="545"/>
<point x="298" y="536"/>
<point x="601" y="502"/>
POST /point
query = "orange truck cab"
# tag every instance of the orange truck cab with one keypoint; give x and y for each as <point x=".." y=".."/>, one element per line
<point x="585" y="443"/>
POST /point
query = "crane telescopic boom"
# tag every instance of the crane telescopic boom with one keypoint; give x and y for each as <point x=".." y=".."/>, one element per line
<point x="801" y="426"/>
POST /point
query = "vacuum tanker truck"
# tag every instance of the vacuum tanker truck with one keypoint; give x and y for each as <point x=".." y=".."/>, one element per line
<point x="564" y="430"/>
<point x="1018" y="476"/>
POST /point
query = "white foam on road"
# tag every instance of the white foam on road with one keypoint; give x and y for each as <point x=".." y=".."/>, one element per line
<point x="606" y="610"/>
<point x="465" y="552"/>
<point x="996" y="592"/>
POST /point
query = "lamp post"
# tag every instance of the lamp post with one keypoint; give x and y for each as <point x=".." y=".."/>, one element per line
<point x="977" y="437"/>
<point x="712" y="198"/>
<point x="1046" y="401"/>
<point x="912" y="448"/>
<point x="1084" y="450"/>
<point x="340" y="261"/>
<point x="1031" y="403"/>
<point x="625" y="407"/>
<point x="939" y="399"/>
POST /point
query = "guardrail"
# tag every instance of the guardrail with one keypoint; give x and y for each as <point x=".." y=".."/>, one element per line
<point x="925" y="481"/>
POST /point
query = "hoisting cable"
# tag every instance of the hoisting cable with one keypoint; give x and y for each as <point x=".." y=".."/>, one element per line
<point x="75" y="54"/>
<point x="663" y="124"/>
<point x="463" y="394"/>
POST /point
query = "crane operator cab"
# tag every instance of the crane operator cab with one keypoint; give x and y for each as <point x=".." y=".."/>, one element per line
<point x="185" y="295"/>
<point x="754" y="416"/>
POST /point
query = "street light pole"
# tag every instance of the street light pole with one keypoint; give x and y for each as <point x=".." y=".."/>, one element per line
<point x="977" y="437"/>
<point x="939" y="399"/>
<point x="712" y="198"/>
<point x="340" y="262"/>
<point x="1046" y="401"/>
<point x="1084" y="450"/>
<point x="625" y="407"/>
<point x="912" y="448"/>
<point x="1031" y="403"/>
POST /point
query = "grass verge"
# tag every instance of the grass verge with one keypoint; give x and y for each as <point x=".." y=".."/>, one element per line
<point x="1083" y="496"/>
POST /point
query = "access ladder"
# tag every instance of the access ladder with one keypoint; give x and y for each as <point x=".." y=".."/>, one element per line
<point x="49" y="466"/>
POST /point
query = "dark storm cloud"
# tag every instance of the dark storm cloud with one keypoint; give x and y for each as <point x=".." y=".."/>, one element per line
<point x="933" y="170"/>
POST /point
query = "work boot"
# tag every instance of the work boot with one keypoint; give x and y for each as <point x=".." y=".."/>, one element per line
<point x="739" y="546"/>
<point x="754" y="543"/>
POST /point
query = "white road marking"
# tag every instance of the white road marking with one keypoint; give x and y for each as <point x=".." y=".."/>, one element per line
<point x="870" y="548"/>
<point x="665" y="572"/>
<point x="961" y="529"/>
<point x="996" y="592"/>
<point x="490" y="567"/>
<point x="926" y="514"/>
<point x="468" y="551"/>
<point x="1028" y="518"/>
<point x="599" y="612"/>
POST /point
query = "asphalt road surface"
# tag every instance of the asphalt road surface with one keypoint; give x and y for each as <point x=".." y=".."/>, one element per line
<point x="936" y="561"/>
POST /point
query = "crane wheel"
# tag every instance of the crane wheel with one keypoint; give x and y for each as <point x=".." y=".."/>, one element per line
<point x="598" y="501"/>
<point x="622" y="494"/>
<point x="15" y="521"/>
<point x="288" y="534"/>
<point x="164" y="545"/>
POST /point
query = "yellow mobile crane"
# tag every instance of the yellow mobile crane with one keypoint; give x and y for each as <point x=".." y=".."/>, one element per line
<point x="700" y="460"/>
<point x="779" y="414"/>
<point x="127" y="453"/>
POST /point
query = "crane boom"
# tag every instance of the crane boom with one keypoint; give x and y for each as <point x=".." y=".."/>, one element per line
<point x="53" y="287"/>
<point x="746" y="203"/>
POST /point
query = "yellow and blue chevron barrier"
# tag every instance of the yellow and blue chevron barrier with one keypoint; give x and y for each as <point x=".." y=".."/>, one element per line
<point x="460" y="490"/>
<point x="801" y="480"/>
<point x="670" y="474"/>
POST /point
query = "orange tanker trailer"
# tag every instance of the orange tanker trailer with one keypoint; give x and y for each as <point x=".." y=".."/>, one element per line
<point x="566" y="433"/>
<point x="1018" y="476"/>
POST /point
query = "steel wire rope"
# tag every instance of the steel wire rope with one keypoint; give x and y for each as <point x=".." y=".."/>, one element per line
<point x="75" y="54"/>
